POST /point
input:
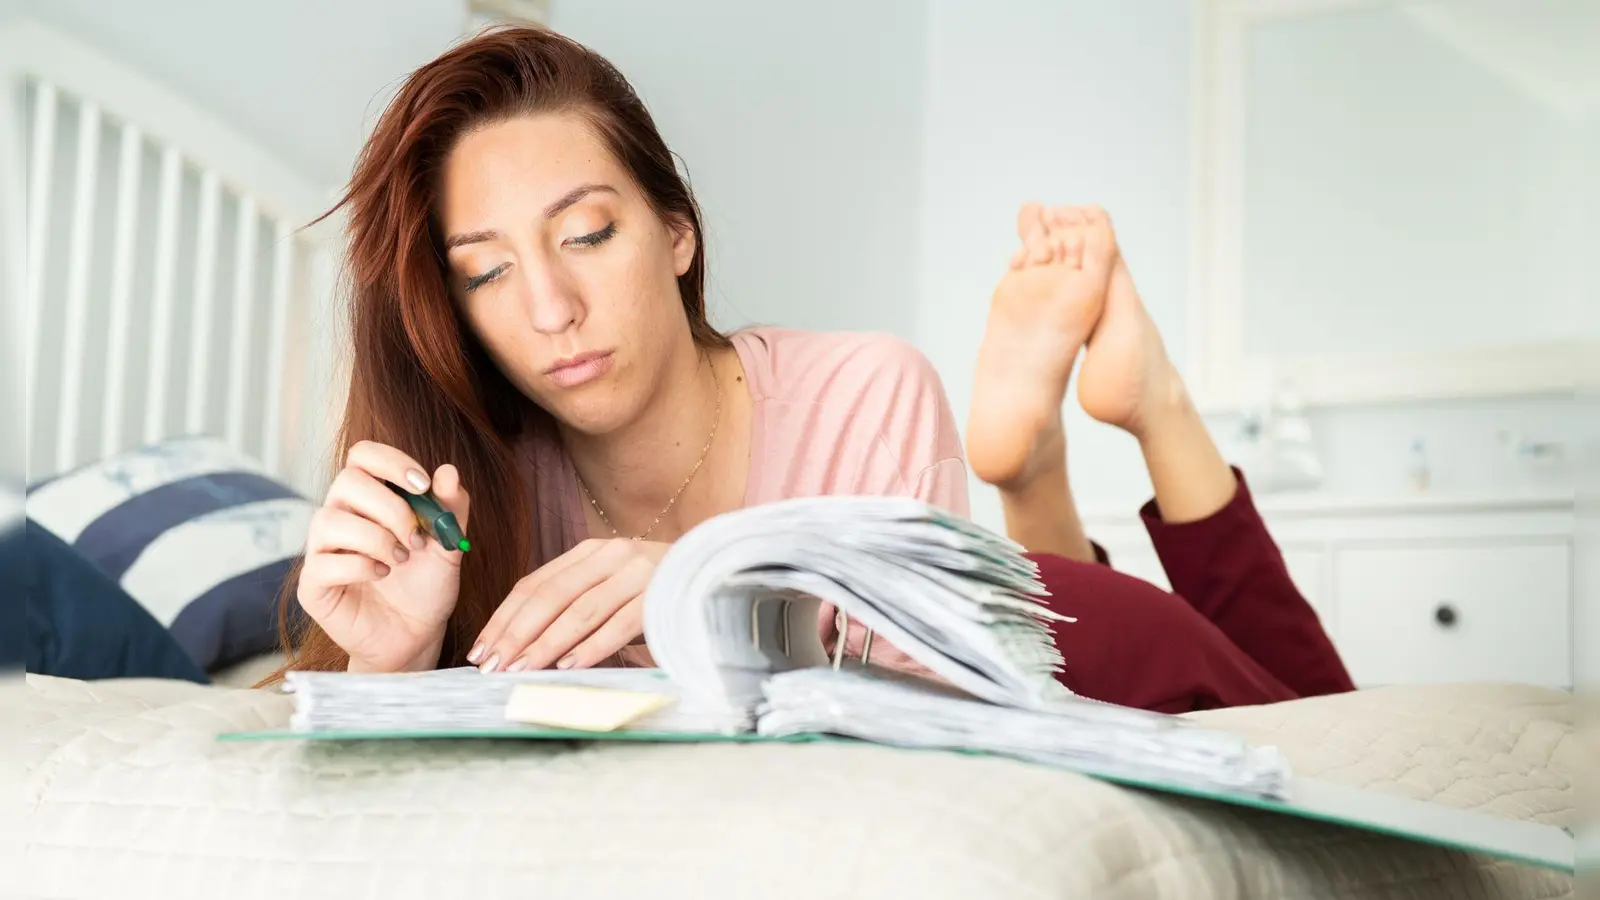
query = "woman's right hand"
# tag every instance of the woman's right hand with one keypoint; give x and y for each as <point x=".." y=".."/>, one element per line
<point x="380" y="588"/>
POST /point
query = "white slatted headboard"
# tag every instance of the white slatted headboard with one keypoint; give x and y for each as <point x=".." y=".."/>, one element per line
<point x="169" y="285"/>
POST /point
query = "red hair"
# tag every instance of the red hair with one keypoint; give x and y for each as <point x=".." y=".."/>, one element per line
<point x="420" y="380"/>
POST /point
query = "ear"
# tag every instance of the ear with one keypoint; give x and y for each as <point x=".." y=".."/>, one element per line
<point x="683" y="244"/>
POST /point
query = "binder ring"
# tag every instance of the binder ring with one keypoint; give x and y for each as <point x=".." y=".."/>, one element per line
<point x="841" y="624"/>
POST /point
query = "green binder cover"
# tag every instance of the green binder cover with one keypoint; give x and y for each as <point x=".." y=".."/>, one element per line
<point x="1544" y="846"/>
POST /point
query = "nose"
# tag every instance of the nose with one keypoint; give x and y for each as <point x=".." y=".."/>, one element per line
<point x="552" y="299"/>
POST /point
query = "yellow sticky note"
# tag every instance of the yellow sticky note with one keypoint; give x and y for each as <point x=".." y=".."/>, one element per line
<point x="580" y="708"/>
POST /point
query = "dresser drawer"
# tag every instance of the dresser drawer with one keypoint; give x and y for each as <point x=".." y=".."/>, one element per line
<point x="1431" y="614"/>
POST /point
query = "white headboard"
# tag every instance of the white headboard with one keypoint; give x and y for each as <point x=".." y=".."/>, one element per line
<point x="169" y="287"/>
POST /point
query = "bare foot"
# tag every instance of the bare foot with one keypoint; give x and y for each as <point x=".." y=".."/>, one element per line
<point x="1042" y="312"/>
<point x="1126" y="375"/>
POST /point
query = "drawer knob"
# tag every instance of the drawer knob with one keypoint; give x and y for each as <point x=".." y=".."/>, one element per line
<point x="1445" y="614"/>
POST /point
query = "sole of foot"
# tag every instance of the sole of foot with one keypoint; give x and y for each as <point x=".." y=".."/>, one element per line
<point x="1042" y="312"/>
<point x="1126" y="373"/>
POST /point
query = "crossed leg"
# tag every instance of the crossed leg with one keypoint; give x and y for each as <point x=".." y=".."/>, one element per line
<point x="1235" y="631"/>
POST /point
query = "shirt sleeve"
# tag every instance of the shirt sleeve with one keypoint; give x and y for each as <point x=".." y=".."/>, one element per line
<point x="944" y="484"/>
<point x="919" y="427"/>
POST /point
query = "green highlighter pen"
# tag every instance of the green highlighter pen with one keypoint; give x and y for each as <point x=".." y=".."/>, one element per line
<point x="435" y="519"/>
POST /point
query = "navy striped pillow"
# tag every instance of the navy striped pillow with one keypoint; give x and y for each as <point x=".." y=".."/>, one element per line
<point x="194" y="531"/>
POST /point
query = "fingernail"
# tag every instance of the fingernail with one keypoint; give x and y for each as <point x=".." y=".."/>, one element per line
<point x="419" y="541"/>
<point x="517" y="666"/>
<point x="476" y="654"/>
<point x="400" y="554"/>
<point x="567" y="662"/>
<point x="383" y="570"/>
<point x="489" y="666"/>
<point x="417" y="480"/>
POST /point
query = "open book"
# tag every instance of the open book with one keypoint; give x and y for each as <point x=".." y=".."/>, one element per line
<point x="731" y="617"/>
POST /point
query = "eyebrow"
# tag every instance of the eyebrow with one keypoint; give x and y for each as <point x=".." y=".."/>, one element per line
<point x="554" y="209"/>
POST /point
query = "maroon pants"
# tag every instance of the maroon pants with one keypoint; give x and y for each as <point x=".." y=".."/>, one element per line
<point x="1234" y="632"/>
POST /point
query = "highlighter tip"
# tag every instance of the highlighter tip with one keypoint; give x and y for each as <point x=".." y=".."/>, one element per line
<point x="464" y="545"/>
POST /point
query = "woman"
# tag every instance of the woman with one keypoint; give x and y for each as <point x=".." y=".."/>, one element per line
<point x="528" y="309"/>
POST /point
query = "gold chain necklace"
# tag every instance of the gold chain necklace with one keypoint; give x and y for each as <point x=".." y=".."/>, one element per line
<point x="717" y="419"/>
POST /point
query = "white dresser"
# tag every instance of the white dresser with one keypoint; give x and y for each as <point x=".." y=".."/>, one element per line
<point x="1419" y="590"/>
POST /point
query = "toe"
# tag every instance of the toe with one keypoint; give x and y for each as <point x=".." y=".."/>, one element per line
<point x="1039" y="244"/>
<point x="1072" y="253"/>
<point x="1029" y="218"/>
<point x="1099" y="243"/>
<point x="1071" y="231"/>
<point x="1058" y="232"/>
<point x="1040" y="251"/>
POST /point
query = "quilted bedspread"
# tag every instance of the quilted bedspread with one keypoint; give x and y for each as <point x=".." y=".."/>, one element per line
<point x="126" y="793"/>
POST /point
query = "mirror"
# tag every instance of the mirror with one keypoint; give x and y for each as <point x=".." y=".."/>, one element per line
<point x="1403" y="196"/>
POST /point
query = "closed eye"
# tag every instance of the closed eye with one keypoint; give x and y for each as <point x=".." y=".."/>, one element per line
<point x="479" y="281"/>
<point x="596" y="238"/>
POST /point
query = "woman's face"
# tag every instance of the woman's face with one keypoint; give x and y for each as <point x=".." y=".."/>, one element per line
<point x="563" y="270"/>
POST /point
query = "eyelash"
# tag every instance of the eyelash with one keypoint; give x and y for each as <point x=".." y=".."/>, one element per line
<point x="480" y="280"/>
<point x="588" y="240"/>
<point x="597" y="238"/>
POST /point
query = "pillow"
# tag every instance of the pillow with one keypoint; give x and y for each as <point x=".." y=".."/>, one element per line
<point x="79" y="623"/>
<point x="193" y="530"/>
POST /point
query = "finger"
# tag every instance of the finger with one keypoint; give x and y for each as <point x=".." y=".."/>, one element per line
<point x="536" y="602"/>
<point x="323" y="574"/>
<point x="1018" y="258"/>
<point x="336" y="530"/>
<point x="616" y="633"/>
<point x="391" y="465"/>
<point x="578" y="554"/>
<point x="510" y="607"/>
<point x="484" y="654"/>
<point x="582" y="618"/>
<point x="451" y="493"/>
<point x="361" y="494"/>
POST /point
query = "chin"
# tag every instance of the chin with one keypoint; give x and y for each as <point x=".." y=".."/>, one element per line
<point x="594" y="412"/>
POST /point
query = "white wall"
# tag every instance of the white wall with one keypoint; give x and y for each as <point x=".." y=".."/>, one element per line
<point x="800" y="157"/>
<point x="859" y="164"/>
<point x="797" y="132"/>
<point x="1587" y="315"/>
<point x="1082" y="101"/>
<point x="1380" y="159"/>
<point x="800" y="132"/>
<point x="303" y="77"/>
<point x="1063" y="102"/>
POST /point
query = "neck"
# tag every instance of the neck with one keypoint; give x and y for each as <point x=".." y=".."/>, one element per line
<point x="634" y="472"/>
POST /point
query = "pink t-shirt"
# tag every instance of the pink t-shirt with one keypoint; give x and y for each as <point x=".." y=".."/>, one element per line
<point x="834" y="413"/>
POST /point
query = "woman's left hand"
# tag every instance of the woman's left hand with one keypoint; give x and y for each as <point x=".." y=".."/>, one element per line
<point x="575" y="611"/>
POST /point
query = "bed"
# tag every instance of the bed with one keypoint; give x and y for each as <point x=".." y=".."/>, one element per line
<point x="127" y="793"/>
<point x="202" y="324"/>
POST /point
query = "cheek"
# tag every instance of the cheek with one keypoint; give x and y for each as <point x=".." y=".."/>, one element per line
<point x="503" y="335"/>
<point x="637" y="297"/>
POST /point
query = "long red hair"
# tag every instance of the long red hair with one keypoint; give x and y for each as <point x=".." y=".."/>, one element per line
<point x="420" y="380"/>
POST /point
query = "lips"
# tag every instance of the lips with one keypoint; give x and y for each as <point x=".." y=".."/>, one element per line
<point x="572" y="371"/>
